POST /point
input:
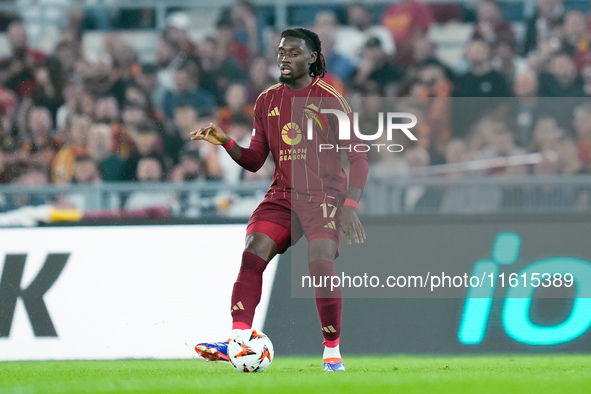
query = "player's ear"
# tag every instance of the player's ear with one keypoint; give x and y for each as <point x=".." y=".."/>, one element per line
<point x="313" y="57"/>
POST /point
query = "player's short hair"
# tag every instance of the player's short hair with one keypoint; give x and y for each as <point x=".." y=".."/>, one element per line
<point x="318" y="68"/>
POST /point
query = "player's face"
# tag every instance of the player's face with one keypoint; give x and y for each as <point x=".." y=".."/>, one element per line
<point x="294" y="59"/>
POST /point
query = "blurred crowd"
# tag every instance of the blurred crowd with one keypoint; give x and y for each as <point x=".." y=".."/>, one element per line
<point x="66" y="117"/>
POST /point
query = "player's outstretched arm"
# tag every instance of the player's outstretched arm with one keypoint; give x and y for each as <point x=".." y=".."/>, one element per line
<point x="216" y="136"/>
<point x="350" y="222"/>
<point x="251" y="158"/>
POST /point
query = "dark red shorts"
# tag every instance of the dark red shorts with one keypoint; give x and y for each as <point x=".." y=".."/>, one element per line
<point x="285" y="221"/>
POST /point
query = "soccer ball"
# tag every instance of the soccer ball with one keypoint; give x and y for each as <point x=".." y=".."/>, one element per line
<point x="250" y="351"/>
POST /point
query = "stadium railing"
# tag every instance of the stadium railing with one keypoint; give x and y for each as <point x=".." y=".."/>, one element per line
<point x="467" y="195"/>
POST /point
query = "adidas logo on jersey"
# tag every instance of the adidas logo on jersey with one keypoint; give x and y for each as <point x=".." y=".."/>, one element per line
<point x="331" y="225"/>
<point x="275" y="112"/>
<point x="238" y="306"/>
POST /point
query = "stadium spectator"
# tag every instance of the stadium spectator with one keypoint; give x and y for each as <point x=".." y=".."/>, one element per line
<point x="86" y="171"/>
<point x="146" y="140"/>
<point x="259" y="78"/>
<point x="490" y="25"/>
<point x="481" y="135"/>
<point x="383" y="163"/>
<point x="585" y="73"/>
<point x="187" y="88"/>
<point x="375" y="72"/>
<point x="407" y="21"/>
<point x="423" y="53"/>
<point x="273" y="37"/>
<point x="505" y="60"/>
<point x="434" y="89"/>
<point x="220" y="70"/>
<point x="549" y="196"/>
<point x="176" y="136"/>
<point x="500" y="142"/>
<point x="136" y="95"/>
<point x="351" y="38"/>
<point x="190" y="166"/>
<point x="582" y="126"/>
<point x="547" y="135"/>
<point x="336" y="64"/>
<point x="147" y="79"/>
<point x="236" y="105"/>
<point x="568" y="160"/>
<point x="107" y="110"/>
<point x="75" y="145"/>
<point x="71" y="93"/>
<point x="574" y="34"/>
<point x="245" y="28"/>
<point x="31" y="175"/>
<point x="455" y="152"/>
<point x="39" y="137"/>
<point x="102" y="79"/>
<point x="549" y="16"/>
<point x="100" y="146"/>
<point x="17" y="71"/>
<point x="527" y="108"/>
<point x="562" y="80"/>
<point x="87" y="104"/>
<point x="168" y="58"/>
<point x="481" y="80"/>
<point x="3" y="175"/>
<point x="177" y="30"/>
<point x="149" y="169"/>
<point x="67" y="56"/>
<point x="8" y="103"/>
<point x="124" y="57"/>
<point x="47" y="91"/>
<point x="237" y="34"/>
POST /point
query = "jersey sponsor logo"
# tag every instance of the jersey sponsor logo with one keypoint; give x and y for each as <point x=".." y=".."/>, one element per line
<point x="292" y="154"/>
<point x="275" y="112"/>
<point x="291" y="134"/>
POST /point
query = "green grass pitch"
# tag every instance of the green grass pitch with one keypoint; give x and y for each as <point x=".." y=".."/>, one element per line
<point x="370" y="374"/>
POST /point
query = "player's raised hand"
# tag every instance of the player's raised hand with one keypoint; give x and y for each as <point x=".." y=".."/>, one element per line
<point x="212" y="134"/>
<point x="351" y="226"/>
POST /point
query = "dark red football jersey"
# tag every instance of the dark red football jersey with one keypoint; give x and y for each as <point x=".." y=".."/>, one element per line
<point x="302" y="169"/>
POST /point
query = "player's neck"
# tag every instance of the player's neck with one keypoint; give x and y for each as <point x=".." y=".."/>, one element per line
<point x="300" y="83"/>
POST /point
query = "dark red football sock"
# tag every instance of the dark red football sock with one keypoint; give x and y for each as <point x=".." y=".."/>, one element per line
<point x="328" y="302"/>
<point x="247" y="290"/>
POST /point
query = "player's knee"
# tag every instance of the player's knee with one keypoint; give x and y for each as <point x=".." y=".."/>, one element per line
<point x="261" y="247"/>
<point x="321" y="249"/>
